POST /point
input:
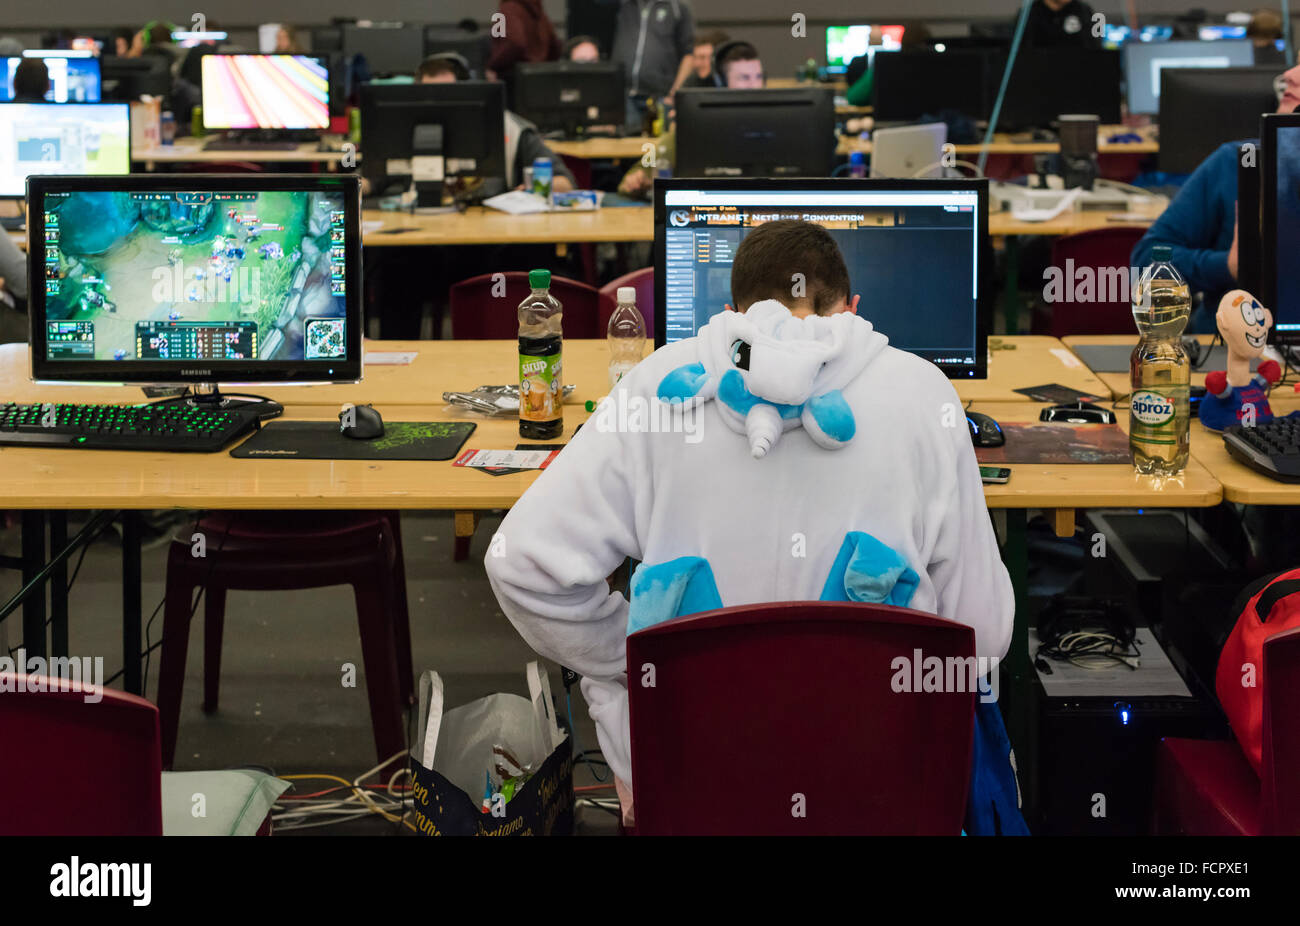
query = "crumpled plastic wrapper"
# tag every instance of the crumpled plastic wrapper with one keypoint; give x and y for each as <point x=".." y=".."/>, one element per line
<point x="492" y="401"/>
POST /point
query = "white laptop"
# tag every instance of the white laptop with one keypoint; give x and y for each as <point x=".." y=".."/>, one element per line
<point x="904" y="152"/>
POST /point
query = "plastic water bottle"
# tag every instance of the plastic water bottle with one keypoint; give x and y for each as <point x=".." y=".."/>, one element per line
<point x="858" y="165"/>
<point x="167" y="128"/>
<point x="1159" y="369"/>
<point x="626" y="335"/>
<point x="541" y="385"/>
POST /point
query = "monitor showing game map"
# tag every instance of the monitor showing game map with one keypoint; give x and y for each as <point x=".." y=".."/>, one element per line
<point x="212" y="278"/>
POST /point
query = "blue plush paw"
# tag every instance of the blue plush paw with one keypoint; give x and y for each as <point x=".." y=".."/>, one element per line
<point x="832" y="417"/>
<point x="683" y="383"/>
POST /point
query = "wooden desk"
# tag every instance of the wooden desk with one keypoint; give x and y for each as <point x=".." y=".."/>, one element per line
<point x="605" y="148"/>
<point x="191" y="151"/>
<point x="1118" y="383"/>
<point x="1240" y="483"/>
<point x="1002" y="144"/>
<point x="478" y="225"/>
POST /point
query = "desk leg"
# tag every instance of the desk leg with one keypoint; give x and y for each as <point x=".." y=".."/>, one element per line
<point x="561" y="250"/>
<point x="131" y="595"/>
<point x="33" y="563"/>
<point x="466" y="521"/>
<point x="1019" y="710"/>
<point x="1011" y="298"/>
<point x="59" y="584"/>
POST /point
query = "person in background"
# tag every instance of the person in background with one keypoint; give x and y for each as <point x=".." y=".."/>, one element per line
<point x="697" y="70"/>
<point x="582" y="49"/>
<point x="528" y="36"/>
<point x="121" y="42"/>
<point x="651" y="39"/>
<point x="861" y="78"/>
<point x="1264" y="31"/>
<point x="523" y="143"/>
<point x="31" y="81"/>
<point x="1060" y="23"/>
<point x="740" y="68"/>
<point x="286" y="41"/>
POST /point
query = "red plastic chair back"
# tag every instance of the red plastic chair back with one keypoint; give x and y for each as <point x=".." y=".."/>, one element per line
<point x="477" y="314"/>
<point x="1105" y="251"/>
<point x="760" y="713"/>
<point x="76" y="768"/>
<point x="581" y="170"/>
<point x="643" y="281"/>
<point x="1281" y="798"/>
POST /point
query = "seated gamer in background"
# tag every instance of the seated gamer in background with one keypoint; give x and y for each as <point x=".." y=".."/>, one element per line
<point x="803" y="422"/>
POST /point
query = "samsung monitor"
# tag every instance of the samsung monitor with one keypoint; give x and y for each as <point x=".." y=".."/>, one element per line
<point x="570" y="97"/>
<point x="1280" y="223"/>
<point x="917" y="84"/>
<point x="62" y="138"/>
<point x="74" y="77"/>
<point x="284" y="92"/>
<point x="387" y="51"/>
<point x="1203" y="109"/>
<point x="1082" y="80"/>
<point x="917" y="253"/>
<point x="1143" y="62"/>
<point x="844" y="43"/>
<point x="468" y="115"/>
<point x="755" y="133"/>
<point x="198" y="278"/>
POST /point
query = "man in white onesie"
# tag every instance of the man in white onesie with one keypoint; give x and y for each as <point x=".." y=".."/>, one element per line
<point x="805" y="421"/>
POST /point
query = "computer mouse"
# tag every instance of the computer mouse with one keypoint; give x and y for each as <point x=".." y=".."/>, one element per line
<point x="984" y="431"/>
<point x="1078" y="413"/>
<point x="361" y="422"/>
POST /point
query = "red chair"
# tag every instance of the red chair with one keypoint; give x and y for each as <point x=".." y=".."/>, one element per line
<point x="1208" y="788"/>
<point x="755" y="711"/>
<point x="293" y="550"/>
<point x="1105" y="251"/>
<point x="643" y="281"/>
<point x="477" y="313"/>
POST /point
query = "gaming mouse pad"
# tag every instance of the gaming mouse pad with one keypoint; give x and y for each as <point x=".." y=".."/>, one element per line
<point x="321" y="440"/>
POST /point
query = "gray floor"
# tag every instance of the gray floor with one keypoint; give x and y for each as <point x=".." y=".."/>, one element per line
<point x="283" y="705"/>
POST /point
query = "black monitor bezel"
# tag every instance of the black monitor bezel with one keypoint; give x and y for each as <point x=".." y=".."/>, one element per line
<point x="346" y="370"/>
<point x="690" y="103"/>
<point x="1268" y="256"/>
<point x="127" y="106"/>
<point x="99" y="75"/>
<point x="984" y="298"/>
<point x="295" y="132"/>
<point x="611" y="73"/>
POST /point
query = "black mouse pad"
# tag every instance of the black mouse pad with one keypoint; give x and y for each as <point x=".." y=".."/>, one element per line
<point x="321" y="440"/>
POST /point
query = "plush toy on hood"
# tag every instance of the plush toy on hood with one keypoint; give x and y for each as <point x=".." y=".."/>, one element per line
<point x="772" y="371"/>
<point x="1233" y="395"/>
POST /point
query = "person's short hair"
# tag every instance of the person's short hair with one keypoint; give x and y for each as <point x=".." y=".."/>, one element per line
<point x="1265" y="24"/>
<point x="714" y="37"/>
<point x="158" y="33"/>
<point x="31" y="79"/>
<point x="769" y="257"/>
<point x="442" y="63"/>
<point x="577" y="40"/>
<point x="736" y="51"/>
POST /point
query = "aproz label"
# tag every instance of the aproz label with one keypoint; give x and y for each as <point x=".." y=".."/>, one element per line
<point x="1151" y="408"/>
<point x="539" y="387"/>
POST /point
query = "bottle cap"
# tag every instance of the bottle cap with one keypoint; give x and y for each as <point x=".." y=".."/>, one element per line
<point x="627" y="294"/>
<point x="1162" y="252"/>
<point x="857" y="157"/>
<point x="539" y="279"/>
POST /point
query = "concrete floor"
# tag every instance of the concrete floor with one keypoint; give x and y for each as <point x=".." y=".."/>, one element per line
<point x="283" y="706"/>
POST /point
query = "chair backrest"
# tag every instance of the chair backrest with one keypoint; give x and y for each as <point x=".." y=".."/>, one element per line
<point x="784" y="719"/>
<point x="643" y="281"/>
<point x="1281" y="766"/>
<point x="75" y="767"/>
<point x="478" y="313"/>
<point x="581" y="170"/>
<point x="1108" y="310"/>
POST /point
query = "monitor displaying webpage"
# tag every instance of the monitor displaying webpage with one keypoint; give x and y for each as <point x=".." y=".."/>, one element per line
<point x="62" y="138"/>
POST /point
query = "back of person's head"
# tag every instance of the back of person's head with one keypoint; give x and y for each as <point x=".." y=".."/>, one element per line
<point x="713" y="38"/>
<point x="855" y="69"/>
<point x="742" y="59"/>
<point x="468" y="24"/>
<point x="582" y="48"/>
<point x="157" y="34"/>
<point x="31" y="80"/>
<point x="443" y="68"/>
<point x="1265" y="26"/>
<point x="786" y="257"/>
<point x="916" y="36"/>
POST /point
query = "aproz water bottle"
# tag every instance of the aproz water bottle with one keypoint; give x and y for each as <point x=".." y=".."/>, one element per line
<point x="626" y="335"/>
<point x="1159" y="369"/>
<point x="541" y="386"/>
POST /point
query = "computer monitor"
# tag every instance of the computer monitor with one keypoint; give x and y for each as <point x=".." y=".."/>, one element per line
<point x="1220" y="31"/>
<point x="753" y="133"/>
<point x="844" y="43"/>
<point x="1155" y="33"/>
<point x="283" y="92"/>
<point x="472" y="46"/>
<point x="195" y="39"/>
<point x="1280" y="223"/>
<point x="1082" y="80"/>
<point x="470" y="115"/>
<point x="62" y="138"/>
<point x="128" y="79"/>
<point x="74" y="78"/>
<point x="326" y="38"/>
<point x="203" y="278"/>
<point x="1202" y="109"/>
<point x="1143" y="62"/>
<point x="386" y="50"/>
<point x="570" y="96"/>
<point x="915" y="84"/>
<point x="917" y="253"/>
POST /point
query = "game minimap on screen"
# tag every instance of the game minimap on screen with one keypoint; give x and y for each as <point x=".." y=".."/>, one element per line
<point x="170" y="275"/>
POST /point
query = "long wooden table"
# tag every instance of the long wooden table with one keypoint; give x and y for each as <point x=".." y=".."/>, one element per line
<point x="191" y="151"/>
<point x="1004" y="144"/>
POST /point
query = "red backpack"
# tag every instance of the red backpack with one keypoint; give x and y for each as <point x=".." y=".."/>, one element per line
<point x="1268" y="606"/>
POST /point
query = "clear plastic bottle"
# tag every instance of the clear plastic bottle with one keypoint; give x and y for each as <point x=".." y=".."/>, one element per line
<point x="541" y="384"/>
<point x="626" y="334"/>
<point x="1160" y="370"/>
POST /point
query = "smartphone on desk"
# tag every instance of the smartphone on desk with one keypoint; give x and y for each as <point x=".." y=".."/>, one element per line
<point x="995" y="475"/>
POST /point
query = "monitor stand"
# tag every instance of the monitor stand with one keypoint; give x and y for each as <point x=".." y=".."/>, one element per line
<point x="210" y="396"/>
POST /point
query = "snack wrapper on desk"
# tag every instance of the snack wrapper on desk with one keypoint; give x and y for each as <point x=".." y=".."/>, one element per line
<point x="498" y="766"/>
<point x="493" y="401"/>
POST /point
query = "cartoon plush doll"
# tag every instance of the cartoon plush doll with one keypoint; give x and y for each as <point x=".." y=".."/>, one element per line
<point x="770" y="372"/>
<point x="1233" y="395"/>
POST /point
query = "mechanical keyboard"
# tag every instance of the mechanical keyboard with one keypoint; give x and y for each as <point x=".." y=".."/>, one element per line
<point x="1271" y="448"/>
<point x="163" y="427"/>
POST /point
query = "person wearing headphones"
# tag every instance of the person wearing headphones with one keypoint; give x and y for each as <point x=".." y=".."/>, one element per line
<point x="736" y="66"/>
<point x="582" y="49"/>
<point x="697" y="70"/>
